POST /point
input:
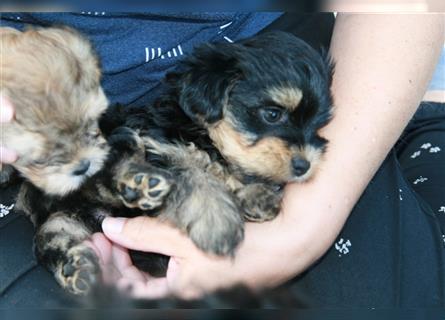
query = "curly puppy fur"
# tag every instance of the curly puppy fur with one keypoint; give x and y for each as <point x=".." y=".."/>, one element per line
<point x="237" y="122"/>
<point x="261" y="102"/>
<point x="53" y="78"/>
<point x="255" y="107"/>
<point x="258" y="128"/>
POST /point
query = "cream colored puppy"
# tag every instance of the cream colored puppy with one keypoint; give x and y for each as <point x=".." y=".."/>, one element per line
<point x="52" y="77"/>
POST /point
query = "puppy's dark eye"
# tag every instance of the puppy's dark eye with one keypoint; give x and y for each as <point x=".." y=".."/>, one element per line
<point x="272" y="114"/>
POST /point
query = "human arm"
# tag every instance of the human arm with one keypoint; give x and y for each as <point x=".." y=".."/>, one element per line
<point x="383" y="66"/>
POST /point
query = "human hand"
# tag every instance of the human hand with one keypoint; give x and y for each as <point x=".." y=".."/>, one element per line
<point x="259" y="262"/>
<point x="6" y="115"/>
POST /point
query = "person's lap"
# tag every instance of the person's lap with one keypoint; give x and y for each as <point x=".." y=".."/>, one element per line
<point x="23" y="282"/>
<point x="391" y="251"/>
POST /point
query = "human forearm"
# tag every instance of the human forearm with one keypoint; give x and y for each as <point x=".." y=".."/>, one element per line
<point x="383" y="65"/>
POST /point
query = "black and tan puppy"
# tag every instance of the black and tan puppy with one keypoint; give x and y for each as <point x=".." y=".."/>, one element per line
<point x="261" y="102"/>
<point x="255" y="108"/>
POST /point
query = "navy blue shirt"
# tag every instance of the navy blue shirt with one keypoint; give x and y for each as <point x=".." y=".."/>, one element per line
<point x="137" y="49"/>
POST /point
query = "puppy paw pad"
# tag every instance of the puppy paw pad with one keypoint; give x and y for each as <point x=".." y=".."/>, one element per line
<point x="80" y="272"/>
<point x="144" y="190"/>
<point x="138" y="178"/>
<point x="153" y="182"/>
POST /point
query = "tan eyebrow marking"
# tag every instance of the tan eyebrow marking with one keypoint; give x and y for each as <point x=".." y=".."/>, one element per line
<point x="287" y="97"/>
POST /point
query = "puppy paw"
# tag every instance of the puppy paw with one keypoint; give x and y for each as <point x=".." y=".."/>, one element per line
<point x="144" y="189"/>
<point x="260" y="203"/>
<point x="80" y="270"/>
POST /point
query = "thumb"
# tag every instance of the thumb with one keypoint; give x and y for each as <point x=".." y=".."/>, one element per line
<point x="6" y="110"/>
<point x="7" y="156"/>
<point x="145" y="234"/>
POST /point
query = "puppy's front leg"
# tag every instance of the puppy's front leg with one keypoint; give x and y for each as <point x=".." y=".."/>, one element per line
<point x="59" y="246"/>
<point x="259" y="201"/>
<point x="210" y="214"/>
<point x="200" y="203"/>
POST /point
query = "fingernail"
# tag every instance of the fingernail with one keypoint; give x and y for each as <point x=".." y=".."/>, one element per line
<point x="6" y="111"/>
<point x="7" y="156"/>
<point x="113" y="225"/>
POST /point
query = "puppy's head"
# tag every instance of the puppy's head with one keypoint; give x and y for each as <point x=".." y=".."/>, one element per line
<point x="53" y="79"/>
<point x="262" y="100"/>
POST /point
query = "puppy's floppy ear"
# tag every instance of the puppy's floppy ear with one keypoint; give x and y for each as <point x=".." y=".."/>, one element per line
<point x="204" y="80"/>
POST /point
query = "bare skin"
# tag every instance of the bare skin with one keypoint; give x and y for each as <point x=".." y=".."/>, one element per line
<point x="383" y="66"/>
<point x="6" y="115"/>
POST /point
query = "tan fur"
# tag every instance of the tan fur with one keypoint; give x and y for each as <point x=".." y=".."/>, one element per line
<point x="214" y="224"/>
<point x="190" y="156"/>
<point x="53" y="79"/>
<point x="270" y="157"/>
<point x="86" y="271"/>
<point x="68" y="228"/>
<point x="62" y="235"/>
<point x="178" y="153"/>
<point x="287" y="97"/>
<point x="267" y="158"/>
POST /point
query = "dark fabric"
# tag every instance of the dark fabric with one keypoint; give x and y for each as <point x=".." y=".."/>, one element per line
<point x="390" y="253"/>
<point x="421" y="153"/>
<point x="137" y="49"/>
<point x="316" y="29"/>
<point x="23" y="283"/>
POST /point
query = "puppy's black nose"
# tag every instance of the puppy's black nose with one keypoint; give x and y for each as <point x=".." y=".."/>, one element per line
<point x="300" y="166"/>
<point x="129" y="194"/>
<point x="82" y="168"/>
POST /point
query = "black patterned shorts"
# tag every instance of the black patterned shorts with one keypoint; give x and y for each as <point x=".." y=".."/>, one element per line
<point x="391" y="252"/>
